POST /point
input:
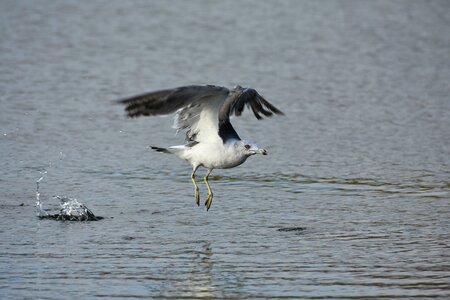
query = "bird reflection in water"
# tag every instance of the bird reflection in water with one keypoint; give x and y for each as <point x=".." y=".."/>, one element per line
<point x="200" y="276"/>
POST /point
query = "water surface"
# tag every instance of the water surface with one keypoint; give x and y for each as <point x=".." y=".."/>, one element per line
<point x="352" y="202"/>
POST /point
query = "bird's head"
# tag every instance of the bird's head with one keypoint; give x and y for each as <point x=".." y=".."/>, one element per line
<point x="250" y="148"/>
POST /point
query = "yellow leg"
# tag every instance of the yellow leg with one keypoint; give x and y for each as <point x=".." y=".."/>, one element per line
<point x="196" y="191"/>
<point x="210" y="193"/>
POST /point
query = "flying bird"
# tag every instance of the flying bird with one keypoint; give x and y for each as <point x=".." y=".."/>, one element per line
<point x="204" y="113"/>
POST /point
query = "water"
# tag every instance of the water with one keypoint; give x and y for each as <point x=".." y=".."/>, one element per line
<point x="352" y="202"/>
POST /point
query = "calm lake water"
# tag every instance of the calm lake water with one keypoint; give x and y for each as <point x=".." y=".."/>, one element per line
<point x="352" y="202"/>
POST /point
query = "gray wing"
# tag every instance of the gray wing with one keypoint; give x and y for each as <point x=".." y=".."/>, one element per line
<point x="238" y="99"/>
<point x="241" y="97"/>
<point x="188" y="102"/>
<point x="168" y="101"/>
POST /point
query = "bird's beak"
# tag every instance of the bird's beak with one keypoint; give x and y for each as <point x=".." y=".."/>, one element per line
<point x="258" y="151"/>
<point x="262" y="151"/>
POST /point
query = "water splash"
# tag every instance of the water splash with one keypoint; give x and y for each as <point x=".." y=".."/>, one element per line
<point x="72" y="210"/>
<point x="39" y="210"/>
<point x="69" y="208"/>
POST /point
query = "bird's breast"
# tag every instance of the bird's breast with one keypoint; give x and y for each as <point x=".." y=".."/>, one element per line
<point x="231" y="163"/>
<point x="218" y="156"/>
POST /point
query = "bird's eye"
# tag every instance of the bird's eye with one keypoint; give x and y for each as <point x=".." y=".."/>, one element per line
<point x="247" y="147"/>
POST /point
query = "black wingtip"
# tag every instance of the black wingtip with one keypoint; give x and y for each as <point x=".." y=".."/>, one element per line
<point x="159" y="149"/>
<point x="279" y="112"/>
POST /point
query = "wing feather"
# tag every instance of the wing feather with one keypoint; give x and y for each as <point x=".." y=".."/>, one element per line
<point x="239" y="98"/>
<point x="168" y="101"/>
<point x="203" y="111"/>
<point x="196" y="108"/>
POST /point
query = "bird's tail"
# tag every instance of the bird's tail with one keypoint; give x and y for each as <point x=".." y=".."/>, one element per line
<point x="173" y="149"/>
<point x="159" y="149"/>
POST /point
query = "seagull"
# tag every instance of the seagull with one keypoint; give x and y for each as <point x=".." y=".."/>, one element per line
<point x="204" y="112"/>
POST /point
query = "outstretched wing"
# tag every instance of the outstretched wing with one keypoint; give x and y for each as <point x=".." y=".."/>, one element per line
<point x="204" y="111"/>
<point x="238" y="99"/>
<point x="196" y="106"/>
<point x="168" y="101"/>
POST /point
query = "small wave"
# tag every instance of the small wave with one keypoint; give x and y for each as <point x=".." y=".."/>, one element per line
<point x="292" y="229"/>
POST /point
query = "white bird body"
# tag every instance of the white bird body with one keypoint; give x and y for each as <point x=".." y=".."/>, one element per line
<point x="213" y="155"/>
<point x="204" y="111"/>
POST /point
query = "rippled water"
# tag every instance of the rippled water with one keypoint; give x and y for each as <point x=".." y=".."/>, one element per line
<point x="352" y="202"/>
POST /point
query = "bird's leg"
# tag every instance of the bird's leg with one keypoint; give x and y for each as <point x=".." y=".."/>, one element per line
<point x="196" y="192"/>
<point x="210" y="193"/>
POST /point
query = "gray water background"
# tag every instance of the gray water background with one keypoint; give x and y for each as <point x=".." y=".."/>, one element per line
<point x="357" y="179"/>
